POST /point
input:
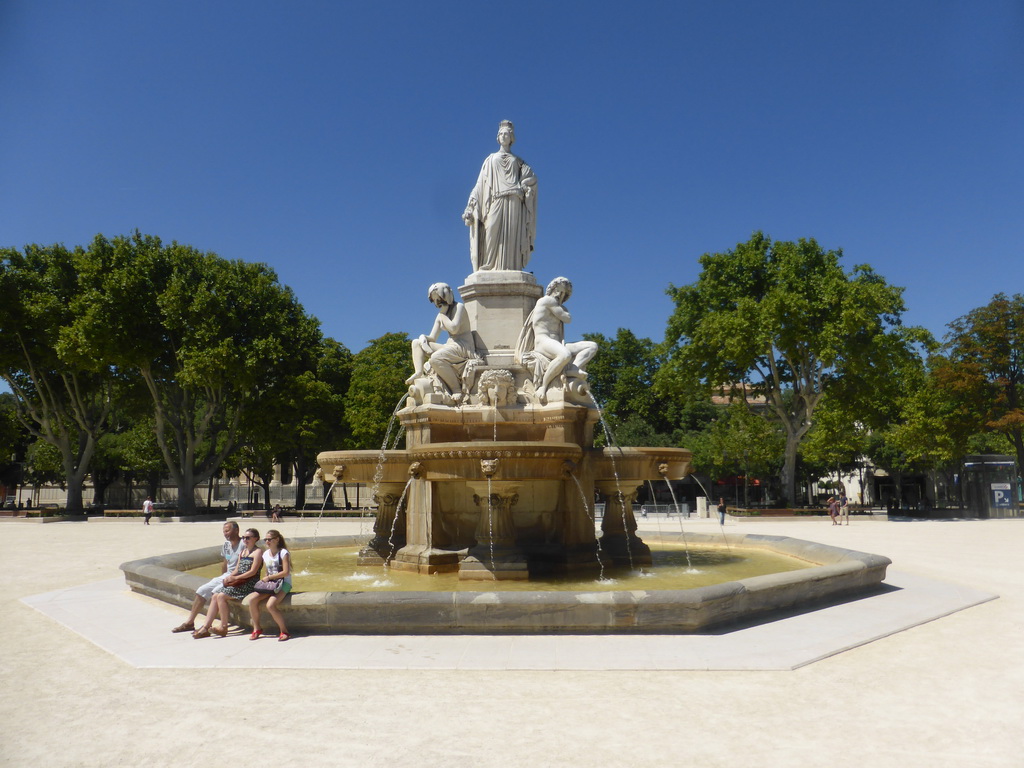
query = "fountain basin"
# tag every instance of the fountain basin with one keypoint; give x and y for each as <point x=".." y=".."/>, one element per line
<point x="838" y="574"/>
<point x="510" y="460"/>
<point x="633" y="466"/>
<point x="364" y="466"/>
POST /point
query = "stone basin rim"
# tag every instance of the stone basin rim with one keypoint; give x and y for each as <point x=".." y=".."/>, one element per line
<point x="837" y="575"/>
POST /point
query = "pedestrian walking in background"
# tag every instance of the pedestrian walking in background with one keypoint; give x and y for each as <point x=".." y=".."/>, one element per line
<point x="833" y="509"/>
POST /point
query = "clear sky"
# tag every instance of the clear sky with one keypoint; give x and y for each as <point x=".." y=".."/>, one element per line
<point x="338" y="141"/>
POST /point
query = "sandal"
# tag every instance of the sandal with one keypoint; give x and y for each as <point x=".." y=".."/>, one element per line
<point x="256" y="634"/>
<point x="223" y="631"/>
<point x="282" y="637"/>
<point x="188" y="626"/>
<point x="200" y="633"/>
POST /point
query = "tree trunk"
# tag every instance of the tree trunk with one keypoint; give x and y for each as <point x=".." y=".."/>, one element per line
<point x="100" y="482"/>
<point x="74" y="477"/>
<point x="788" y="474"/>
<point x="75" y="464"/>
<point x="300" y="482"/>
<point x="74" y="503"/>
<point x="1017" y="438"/>
<point x="265" y="485"/>
<point x="186" y="491"/>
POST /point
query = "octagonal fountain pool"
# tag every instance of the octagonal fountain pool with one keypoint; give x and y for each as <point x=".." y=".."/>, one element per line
<point x="667" y="597"/>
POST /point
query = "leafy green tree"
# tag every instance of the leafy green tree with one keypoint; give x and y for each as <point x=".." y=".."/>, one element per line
<point x="785" y="321"/>
<point x="321" y="425"/>
<point x="140" y="456"/>
<point x="378" y="384"/>
<point x="63" y="397"/>
<point x="837" y="442"/>
<point x="300" y="418"/>
<point x="984" y="365"/>
<point x="635" y="430"/>
<point x="10" y="429"/>
<point x="44" y="465"/>
<point x="621" y="379"/>
<point x="209" y="338"/>
<point x="13" y="442"/>
<point x="740" y="442"/>
<point x="255" y="458"/>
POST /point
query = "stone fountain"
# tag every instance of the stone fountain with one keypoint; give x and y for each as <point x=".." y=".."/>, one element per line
<point x="500" y="474"/>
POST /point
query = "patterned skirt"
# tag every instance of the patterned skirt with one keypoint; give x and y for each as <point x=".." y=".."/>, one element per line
<point x="239" y="591"/>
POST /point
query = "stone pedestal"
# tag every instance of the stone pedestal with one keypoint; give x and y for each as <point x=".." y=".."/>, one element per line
<point x="423" y="531"/>
<point x="619" y="540"/>
<point x="495" y="555"/>
<point x="498" y="304"/>
<point x="388" y="528"/>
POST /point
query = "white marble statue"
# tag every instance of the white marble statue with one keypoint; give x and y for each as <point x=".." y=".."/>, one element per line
<point x="502" y="209"/>
<point x="446" y="362"/>
<point x="542" y="342"/>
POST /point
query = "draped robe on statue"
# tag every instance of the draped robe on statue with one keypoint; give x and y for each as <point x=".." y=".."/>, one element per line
<point x="504" y="214"/>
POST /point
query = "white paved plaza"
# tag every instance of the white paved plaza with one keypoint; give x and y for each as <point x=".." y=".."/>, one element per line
<point x="92" y="675"/>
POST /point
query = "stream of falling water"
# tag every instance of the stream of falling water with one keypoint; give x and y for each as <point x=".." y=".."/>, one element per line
<point x="612" y="447"/>
<point x="490" y="526"/>
<point x="657" y="518"/>
<point x="675" y="503"/>
<point x="316" y="530"/>
<point x="711" y="501"/>
<point x="593" y="522"/>
<point x="378" y="473"/>
<point x="394" y="522"/>
<point x="490" y="510"/>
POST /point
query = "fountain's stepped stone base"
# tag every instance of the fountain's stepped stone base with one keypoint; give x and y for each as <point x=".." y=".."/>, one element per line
<point x="840" y="573"/>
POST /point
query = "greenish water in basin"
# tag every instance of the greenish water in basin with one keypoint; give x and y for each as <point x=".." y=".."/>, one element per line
<point x="336" y="570"/>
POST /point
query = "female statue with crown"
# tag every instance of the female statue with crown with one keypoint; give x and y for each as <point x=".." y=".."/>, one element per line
<point x="502" y="209"/>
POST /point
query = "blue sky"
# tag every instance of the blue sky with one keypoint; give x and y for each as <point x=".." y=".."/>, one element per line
<point x="338" y="141"/>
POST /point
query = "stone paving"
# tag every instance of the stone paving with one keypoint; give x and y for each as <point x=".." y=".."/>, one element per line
<point x="99" y="668"/>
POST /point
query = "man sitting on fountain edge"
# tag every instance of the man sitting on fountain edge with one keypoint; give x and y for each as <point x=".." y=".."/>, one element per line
<point x="229" y="552"/>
